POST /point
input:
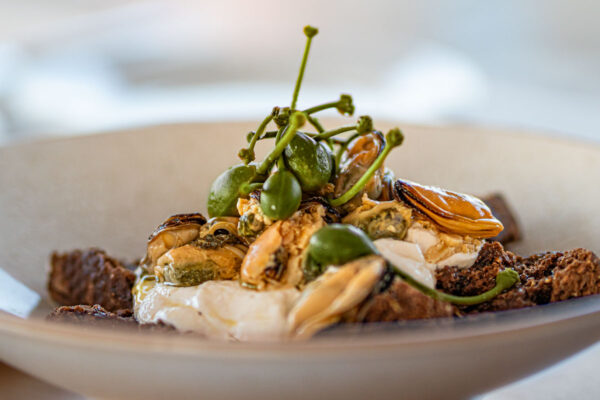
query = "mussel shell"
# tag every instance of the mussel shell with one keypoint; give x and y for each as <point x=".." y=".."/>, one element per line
<point x="452" y="212"/>
<point x="357" y="159"/>
<point x="177" y="221"/>
<point x="218" y="231"/>
<point x="177" y="230"/>
<point x="331" y="216"/>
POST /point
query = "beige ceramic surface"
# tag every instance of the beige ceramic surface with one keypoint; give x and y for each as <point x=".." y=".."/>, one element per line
<point x="111" y="190"/>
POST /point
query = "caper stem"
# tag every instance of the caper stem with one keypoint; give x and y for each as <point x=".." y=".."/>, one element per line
<point x="360" y="184"/>
<point x="343" y="147"/>
<point x="309" y="37"/>
<point x="504" y="280"/>
<point x="297" y="119"/>
<point x="266" y="135"/>
<point x="248" y="155"/>
<point x="321" y="107"/>
<point x="344" y="106"/>
<point x="280" y="163"/>
<point x="394" y="138"/>
<point x="315" y="122"/>
<point x="279" y="133"/>
<point x="333" y="132"/>
<point x="273" y="134"/>
<point x="247" y="188"/>
<point x="339" y="141"/>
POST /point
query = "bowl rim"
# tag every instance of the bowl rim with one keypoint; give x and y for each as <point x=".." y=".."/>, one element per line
<point x="377" y="338"/>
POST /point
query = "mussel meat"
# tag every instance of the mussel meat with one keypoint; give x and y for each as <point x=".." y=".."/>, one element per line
<point x="275" y="257"/>
<point x="452" y="212"/>
<point x="252" y="221"/>
<point x="335" y="292"/>
<point x="190" y="265"/>
<point x="176" y="231"/>
<point x="381" y="219"/>
<point x="184" y="253"/>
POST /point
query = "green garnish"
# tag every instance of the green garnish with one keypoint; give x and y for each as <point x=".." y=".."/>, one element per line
<point x="310" y="32"/>
<point x="394" y="138"/>
<point x="310" y="157"/>
<point x="297" y="119"/>
<point x="247" y="155"/>
<point x="504" y="280"/>
<point x="344" y="106"/>
<point x="338" y="244"/>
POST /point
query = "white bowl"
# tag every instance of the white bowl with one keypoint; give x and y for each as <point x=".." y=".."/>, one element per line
<point x="111" y="190"/>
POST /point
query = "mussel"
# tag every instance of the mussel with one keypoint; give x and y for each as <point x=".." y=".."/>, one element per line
<point x="190" y="265"/>
<point x="275" y="257"/>
<point x="452" y="212"/>
<point x="184" y="253"/>
<point x="252" y="221"/>
<point x="381" y="219"/>
<point x="176" y="231"/>
<point x="335" y="292"/>
<point x="357" y="158"/>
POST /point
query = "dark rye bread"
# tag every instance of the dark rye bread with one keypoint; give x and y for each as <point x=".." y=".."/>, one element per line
<point x="96" y="316"/>
<point x="544" y="278"/>
<point x="403" y="302"/>
<point x="90" y="277"/>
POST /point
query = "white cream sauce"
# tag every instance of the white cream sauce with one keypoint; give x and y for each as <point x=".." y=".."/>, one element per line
<point x="408" y="257"/>
<point x="220" y="310"/>
<point x="408" y="254"/>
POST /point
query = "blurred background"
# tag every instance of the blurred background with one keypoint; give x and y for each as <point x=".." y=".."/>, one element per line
<point x="72" y="66"/>
<point x="79" y="66"/>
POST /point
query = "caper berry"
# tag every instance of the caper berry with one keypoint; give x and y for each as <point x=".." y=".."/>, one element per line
<point x="309" y="161"/>
<point x="338" y="244"/>
<point x="281" y="195"/>
<point x="226" y="189"/>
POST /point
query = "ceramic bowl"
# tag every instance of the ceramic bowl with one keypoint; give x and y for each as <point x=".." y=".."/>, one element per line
<point x="111" y="190"/>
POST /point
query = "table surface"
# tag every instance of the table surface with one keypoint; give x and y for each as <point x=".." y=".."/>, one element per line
<point x="575" y="377"/>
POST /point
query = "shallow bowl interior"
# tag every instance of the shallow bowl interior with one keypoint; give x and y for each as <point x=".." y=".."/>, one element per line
<point x="112" y="190"/>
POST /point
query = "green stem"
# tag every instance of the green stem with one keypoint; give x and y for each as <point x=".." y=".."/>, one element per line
<point x="247" y="155"/>
<point x="310" y="33"/>
<point x="280" y="163"/>
<point x="344" y="106"/>
<point x="393" y="139"/>
<point x="343" y="147"/>
<point x="279" y="133"/>
<point x="321" y="107"/>
<point x="333" y="132"/>
<point x="339" y="141"/>
<point x="266" y="135"/>
<point x="273" y="134"/>
<point x="330" y="143"/>
<point x="297" y="119"/>
<point x="504" y="280"/>
<point x="315" y="122"/>
<point x="358" y="186"/>
<point x="248" y="188"/>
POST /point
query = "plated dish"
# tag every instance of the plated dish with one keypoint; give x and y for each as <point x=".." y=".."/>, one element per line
<point x="316" y="235"/>
<point x="113" y="189"/>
